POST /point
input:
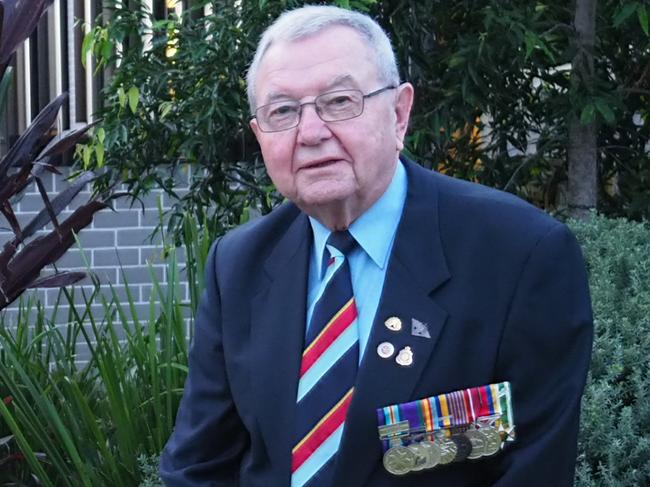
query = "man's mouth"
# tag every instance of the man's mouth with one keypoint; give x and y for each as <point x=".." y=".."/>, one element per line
<point x="320" y="164"/>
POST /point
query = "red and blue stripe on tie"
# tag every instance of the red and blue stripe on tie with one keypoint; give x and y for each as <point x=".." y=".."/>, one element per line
<point x="328" y="373"/>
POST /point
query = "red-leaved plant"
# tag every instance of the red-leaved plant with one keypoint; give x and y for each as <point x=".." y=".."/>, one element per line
<point x="36" y="151"/>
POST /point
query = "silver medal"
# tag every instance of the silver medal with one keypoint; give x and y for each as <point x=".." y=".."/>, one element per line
<point x="393" y="323"/>
<point x="404" y="357"/>
<point x="385" y="350"/>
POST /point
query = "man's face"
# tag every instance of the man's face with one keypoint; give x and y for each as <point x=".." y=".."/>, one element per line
<point x="342" y="166"/>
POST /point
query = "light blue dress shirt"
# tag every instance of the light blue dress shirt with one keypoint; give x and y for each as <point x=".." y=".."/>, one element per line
<point x="375" y="232"/>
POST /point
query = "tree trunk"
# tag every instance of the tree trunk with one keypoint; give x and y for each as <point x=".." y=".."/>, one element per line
<point x="583" y="150"/>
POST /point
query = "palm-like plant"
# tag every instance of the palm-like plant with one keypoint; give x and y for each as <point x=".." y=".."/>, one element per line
<point x="24" y="256"/>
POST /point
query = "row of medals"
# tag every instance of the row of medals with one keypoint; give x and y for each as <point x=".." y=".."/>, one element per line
<point x="425" y="454"/>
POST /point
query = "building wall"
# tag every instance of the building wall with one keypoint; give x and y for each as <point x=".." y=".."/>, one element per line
<point x="117" y="246"/>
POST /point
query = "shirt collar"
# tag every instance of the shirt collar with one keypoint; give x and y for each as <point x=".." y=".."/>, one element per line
<point x="374" y="230"/>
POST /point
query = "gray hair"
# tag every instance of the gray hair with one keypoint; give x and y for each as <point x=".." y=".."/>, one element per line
<point x="305" y="21"/>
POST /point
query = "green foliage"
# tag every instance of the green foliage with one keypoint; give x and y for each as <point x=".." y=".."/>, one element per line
<point x="503" y="69"/>
<point x="149" y="470"/>
<point x="179" y="96"/>
<point x="494" y="92"/>
<point x="88" y="423"/>
<point x="614" y="443"/>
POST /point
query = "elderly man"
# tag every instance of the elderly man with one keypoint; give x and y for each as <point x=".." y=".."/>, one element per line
<point x="378" y="284"/>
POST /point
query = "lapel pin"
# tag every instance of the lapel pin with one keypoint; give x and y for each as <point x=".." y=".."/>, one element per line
<point x="385" y="350"/>
<point x="419" y="329"/>
<point x="393" y="323"/>
<point x="404" y="357"/>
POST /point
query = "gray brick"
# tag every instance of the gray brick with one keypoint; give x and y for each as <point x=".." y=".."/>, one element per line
<point x="182" y="176"/>
<point x="152" y="199"/>
<point x="116" y="219"/>
<point x="65" y="314"/>
<point x="150" y="218"/>
<point x="9" y="317"/>
<point x="47" y="178"/>
<point x="133" y="237"/>
<point x="169" y="200"/>
<point x="61" y="182"/>
<point x="154" y="255"/>
<point x="5" y="237"/>
<point x="147" y="289"/>
<point x="106" y="274"/>
<point x="78" y="295"/>
<point x="83" y="354"/>
<point x="54" y="295"/>
<point x="115" y="257"/>
<point x="141" y="275"/>
<point x="32" y="202"/>
<point x="91" y="238"/>
<point x="149" y="200"/>
<point x="74" y="258"/>
<point x="151" y="254"/>
<point x="126" y="203"/>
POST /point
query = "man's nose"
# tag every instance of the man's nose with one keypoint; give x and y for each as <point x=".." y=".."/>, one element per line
<point x="311" y="129"/>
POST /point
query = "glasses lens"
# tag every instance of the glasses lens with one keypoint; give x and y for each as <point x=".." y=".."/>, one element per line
<point x="339" y="105"/>
<point x="280" y="115"/>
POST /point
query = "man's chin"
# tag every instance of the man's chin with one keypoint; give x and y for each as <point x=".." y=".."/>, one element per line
<point x="325" y="196"/>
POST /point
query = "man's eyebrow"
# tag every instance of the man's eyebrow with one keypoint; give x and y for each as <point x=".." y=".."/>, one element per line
<point x="341" y="80"/>
<point x="277" y="95"/>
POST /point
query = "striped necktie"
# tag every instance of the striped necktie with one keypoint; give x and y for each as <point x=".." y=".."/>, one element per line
<point x="328" y="372"/>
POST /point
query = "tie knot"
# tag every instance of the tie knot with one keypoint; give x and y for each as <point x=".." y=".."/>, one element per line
<point x="342" y="241"/>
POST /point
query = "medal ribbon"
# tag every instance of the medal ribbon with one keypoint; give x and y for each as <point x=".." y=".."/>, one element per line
<point x="457" y="409"/>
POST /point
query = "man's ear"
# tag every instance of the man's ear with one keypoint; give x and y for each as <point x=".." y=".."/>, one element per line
<point x="403" y="103"/>
<point x="255" y="128"/>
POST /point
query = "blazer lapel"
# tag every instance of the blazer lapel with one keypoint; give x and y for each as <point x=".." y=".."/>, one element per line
<point x="417" y="266"/>
<point x="277" y="335"/>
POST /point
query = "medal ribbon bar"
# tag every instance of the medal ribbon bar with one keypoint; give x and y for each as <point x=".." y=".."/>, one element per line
<point x="489" y="405"/>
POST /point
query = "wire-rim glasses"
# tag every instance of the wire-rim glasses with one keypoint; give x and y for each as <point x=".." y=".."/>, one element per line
<point x="333" y="106"/>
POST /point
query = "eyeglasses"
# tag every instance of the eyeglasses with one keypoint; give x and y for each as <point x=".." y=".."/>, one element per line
<point x="333" y="106"/>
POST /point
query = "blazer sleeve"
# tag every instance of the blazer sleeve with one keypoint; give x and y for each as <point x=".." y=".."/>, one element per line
<point x="545" y="352"/>
<point x="209" y="439"/>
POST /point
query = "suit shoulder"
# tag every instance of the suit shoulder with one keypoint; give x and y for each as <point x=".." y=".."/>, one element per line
<point x="481" y="205"/>
<point x="255" y="237"/>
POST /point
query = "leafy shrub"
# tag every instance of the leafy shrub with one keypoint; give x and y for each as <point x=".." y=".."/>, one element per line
<point x="492" y="98"/>
<point x="87" y="423"/>
<point x="614" y="447"/>
<point x="149" y="470"/>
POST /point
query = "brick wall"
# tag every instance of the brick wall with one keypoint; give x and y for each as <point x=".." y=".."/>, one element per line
<point x="116" y="246"/>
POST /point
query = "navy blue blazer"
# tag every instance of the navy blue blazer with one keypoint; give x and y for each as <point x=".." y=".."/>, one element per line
<point x="502" y="286"/>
